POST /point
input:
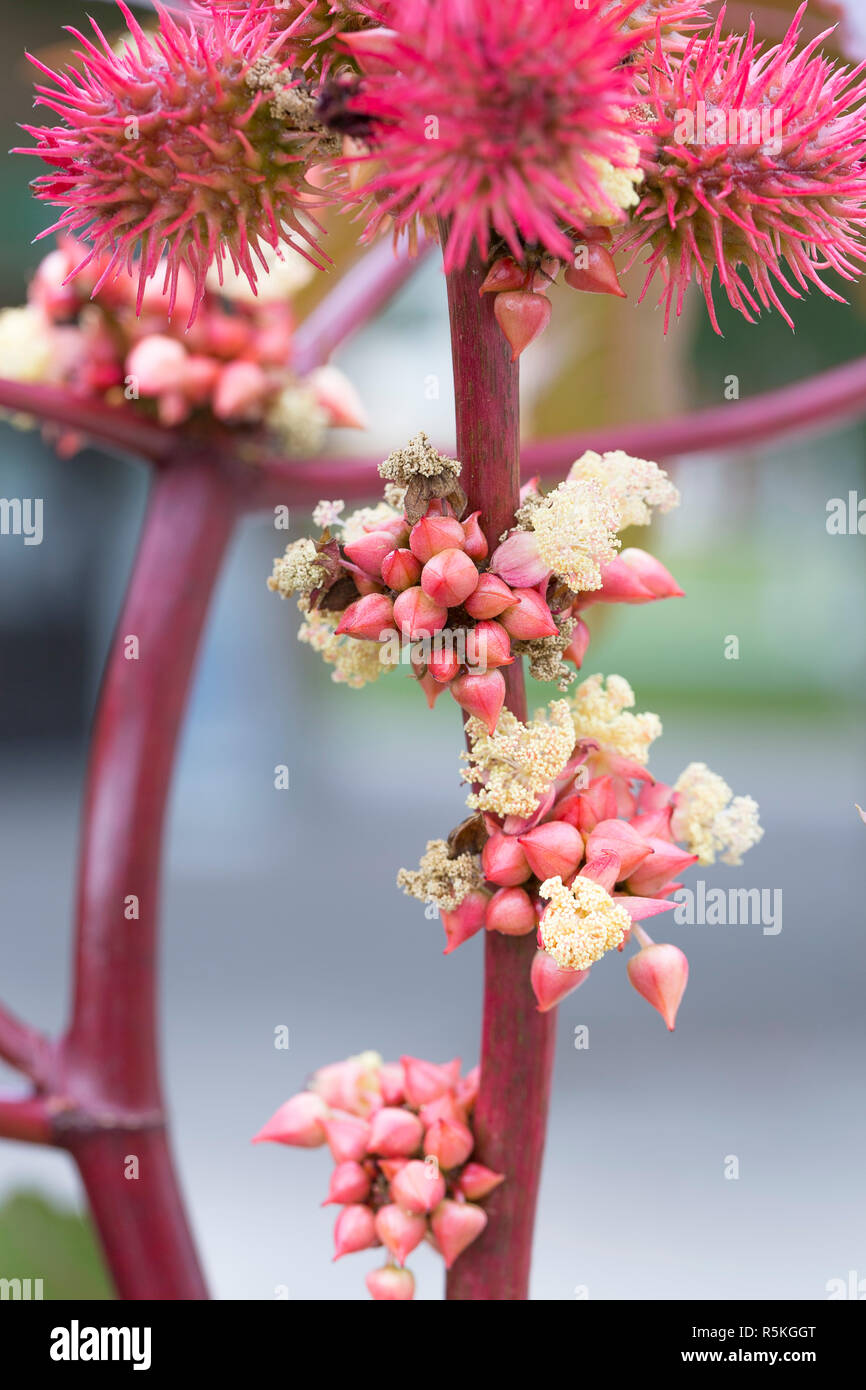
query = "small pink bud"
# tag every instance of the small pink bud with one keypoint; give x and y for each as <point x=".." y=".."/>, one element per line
<point x="364" y="584"/>
<point x="370" y="550"/>
<point x="392" y="1166"/>
<point x="399" y="1230"/>
<point x="417" y="615"/>
<point x="418" y="1187"/>
<point x="442" y="1108"/>
<point x="620" y="584"/>
<point x="443" y="665"/>
<point x="348" y="1137"/>
<point x="349" y="1183"/>
<point x="490" y="597"/>
<point x="432" y="689"/>
<point x="455" y="1226"/>
<point x="666" y="861"/>
<point x="390" y="1284"/>
<point x="550" y="983"/>
<point x="300" y="1121"/>
<point x="371" y="617"/>
<point x="198" y="377"/>
<point x="529" y="618"/>
<point x="651" y="573"/>
<point x="596" y="271"/>
<point x="482" y="696"/>
<point x="400" y="570"/>
<point x="522" y="316"/>
<point x="467" y="1088"/>
<point x="477" y="1182"/>
<point x="449" y="577"/>
<point x="157" y="363"/>
<point x="394" y="1133"/>
<point x="488" y="646"/>
<point x="660" y="973"/>
<point x="510" y="912"/>
<point x="465" y="920"/>
<point x="426" y="1081"/>
<point x="336" y="394"/>
<point x="396" y="526"/>
<point x="240" y="391"/>
<point x="354" y="1229"/>
<point x="504" y="274"/>
<point x="434" y="533"/>
<point x="619" y="837"/>
<point x="391" y="1083"/>
<point x="552" y="848"/>
<point x="605" y="868"/>
<point x="475" y="543"/>
<point x="504" y="861"/>
<point x="517" y="561"/>
<point x="585" y="809"/>
<point x="577" y="647"/>
<point x="450" y="1142"/>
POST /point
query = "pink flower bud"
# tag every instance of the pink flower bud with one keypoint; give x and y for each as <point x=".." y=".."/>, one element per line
<point x="157" y="364"/>
<point x="651" y="573"/>
<point x="392" y="1166"/>
<point x="417" y="615"/>
<point x="517" y="560"/>
<point x="666" y="861"/>
<point x="426" y="1081"/>
<point x="455" y="1225"/>
<point x="465" y="920"/>
<point x="432" y="689"/>
<point x="348" y="1137"/>
<point x="490" y="597"/>
<point x="391" y="1082"/>
<point x="450" y="1142"/>
<point x="550" y="983"/>
<point x="371" y="617"/>
<point x="522" y="316"/>
<point x="400" y="570"/>
<point x="336" y="394"/>
<point x="390" y="1284"/>
<point x="488" y="646"/>
<point x="434" y="533"/>
<point x="477" y="1182"/>
<point x="370" y="550"/>
<point x="504" y="274"/>
<point x="466" y="1090"/>
<point x="449" y="577"/>
<point x="605" y="868"/>
<point x="620" y="838"/>
<point x="443" y="665"/>
<point x="418" y="1187"/>
<point x="482" y="696"/>
<point x="444" y="1107"/>
<point x="240" y="391"/>
<point x="510" y="912"/>
<point x="300" y="1121"/>
<point x="585" y="809"/>
<point x="660" y="973"/>
<point x="396" y="526"/>
<point x="596" y="273"/>
<point x="529" y="618"/>
<point x="400" y="1230"/>
<point x="475" y="541"/>
<point x="198" y="377"/>
<point x="577" y="647"/>
<point x="504" y="861"/>
<point x="354" y="1229"/>
<point x="394" y="1133"/>
<point x="349" y="1183"/>
<point x="552" y="848"/>
<point x="620" y="584"/>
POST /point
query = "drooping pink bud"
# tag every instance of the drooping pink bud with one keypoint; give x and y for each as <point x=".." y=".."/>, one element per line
<point x="503" y="860"/>
<point x="517" y="561"/>
<point x="490" y="597"/>
<point x="529" y="618"/>
<point x="432" y="689"/>
<point x="399" y="1230"/>
<point x="417" y="615"/>
<point x="475" y="541"/>
<point x="240" y="391"/>
<point x="455" y="1226"/>
<point x="660" y="973"/>
<point x="596" y="271"/>
<point x="400" y="570"/>
<point x="620" y="838"/>
<point x="434" y="533"/>
<point x="443" y="664"/>
<point x="354" y="1229"/>
<point x="450" y="1142"/>
<point x="369" y="550"/>
<point x="349" y="1183"/>
<point x="550" y="983"/>
<point x="620" y="584"/>
<point x="394" y="1133"/>
<point x="639" y="909"/>
<point x="504" y="274"/>
<point x="577" y="647"/>
<point x="156" y="363"/>
<point x="449" y="577"/>
<point x="666" y="862"/>
<point x="488" y="646"/>
<point x="300" y="1121"/>
<point x="651" y="573"/>
<point x="477" y="1182"/>
<point x="418" y="1188"/>
<point x="336" y="394"/>
<point x="390" y="1284"/>
<point x="348" y="1137"/>
<point x="465" y="920"/>
<point x="371" y="617"/>
<point x="482" y="696"/>
<point x="426" y="1081"/>
<point x="552" y="848"/>
<point x="510" y="912"/>
<point x="523" y="316"/>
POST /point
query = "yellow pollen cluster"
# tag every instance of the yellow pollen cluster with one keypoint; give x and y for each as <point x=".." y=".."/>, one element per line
<point x="356" y="663"/>
<point x="709" y="822"/>
<point x="365" y="519"/>
<point x="296" y="572"/>
<point x="580" y="923"/>
<point x="603" y="714"/>
<point x="440" y="879"/>
<point x="27" y="350"/>
<point x="635" y="485"/>
<point x="299" y="420"/>
<point x="575" y="528"/>
<point x="517" y="763"/>
<point x="617" y="186"/>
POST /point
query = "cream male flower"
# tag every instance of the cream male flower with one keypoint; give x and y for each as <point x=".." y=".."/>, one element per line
<point x="365" y="519"/>
<point x="710" y="820"/>
<point x="636" y="486"/>
<point x="355" y="663"/>
<point x="517" y="763"/>
<point x="440" y="879"/>
<point x="601" y="710"/>
<point x="571" y="532"/>
<point x="580" y="923"/>
<point x="296" y="571"/>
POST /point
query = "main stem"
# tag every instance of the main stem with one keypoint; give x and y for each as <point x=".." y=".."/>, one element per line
<point x="517" y="1044"/>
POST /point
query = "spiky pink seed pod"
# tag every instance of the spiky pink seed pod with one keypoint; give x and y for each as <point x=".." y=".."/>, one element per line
<point x="523" y="316"/>
<point x="552" y="848"/>
<point x="503" y="860"/>
<point x="455" y="1225"/>
<point x="370" y="618"/>
<point x="595" y="271"/>
<point x="465" y="920"/>
<point x="475" y="543"/>
<point x="390" y="1285"/>
<point x="400" y="1231"/>
<point x="434" y="533"/>
<point x="490" y="597"/>
<point x="370" y="550"/>
<point x="400" y="570"/>
<point x="529" y="618"/>
<point x="418" y="1187"/>
<point x="577" y="647"/>
<point x="354" y="1229"/>
<point x="488" y="646"/>
<point x="425" y="1081"/>
<point x="622" y="839"/>
<point x="450" y="1142"/>
<point x="300" y="1121"/>
<point x="449" y="577"/>
<point x="349" y="1184"/>
<point x="510" y="912"/>
<point x="348" y="1137"/>
<point x="651" y="573"/>
<point x="660" y="972"/>
<point x="168" y="151"/>
<point x="477" y="1182"/>
<point x="482" y="696"/>
<point x="550" y="983"/>
<point x="394" y="1133"/>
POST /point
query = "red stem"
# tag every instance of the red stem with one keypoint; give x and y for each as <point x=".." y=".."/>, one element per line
<point x="118" y="426"/>
<point x="26" y="1118"/>
<point x="517" y="1042"/>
